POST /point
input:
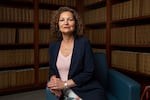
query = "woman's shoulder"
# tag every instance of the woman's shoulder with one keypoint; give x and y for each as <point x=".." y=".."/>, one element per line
<point x="53" y="44"/>
<point x="84" y="39"/>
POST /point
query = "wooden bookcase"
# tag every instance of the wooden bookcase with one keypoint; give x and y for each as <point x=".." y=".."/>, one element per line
<point x="97" y="21"/>
<point x="126" y="36"/>
<point x="17" y="54"/>
<point x="24" y="40"/>
<point x="130" y="30"/>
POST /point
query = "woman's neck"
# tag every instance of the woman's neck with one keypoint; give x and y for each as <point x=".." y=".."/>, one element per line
<point x="68" y="39"/>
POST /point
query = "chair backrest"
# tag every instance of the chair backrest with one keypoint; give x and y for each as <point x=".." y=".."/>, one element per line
<point x="101" y="68"/>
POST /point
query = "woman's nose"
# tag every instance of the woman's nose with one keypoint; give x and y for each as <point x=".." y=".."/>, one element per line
<point x="66" y="21"/>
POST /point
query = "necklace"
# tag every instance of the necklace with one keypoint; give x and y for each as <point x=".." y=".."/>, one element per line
<point x="67" y="46"/>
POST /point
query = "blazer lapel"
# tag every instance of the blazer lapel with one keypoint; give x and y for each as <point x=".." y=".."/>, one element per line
<point x="74" y="58"/>
<point x="56" y="50"/>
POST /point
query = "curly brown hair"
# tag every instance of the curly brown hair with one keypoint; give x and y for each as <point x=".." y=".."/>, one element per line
<point x="54" y="23"/>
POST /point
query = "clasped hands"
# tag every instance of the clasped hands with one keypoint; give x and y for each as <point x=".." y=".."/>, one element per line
<point x="56" y="85"/>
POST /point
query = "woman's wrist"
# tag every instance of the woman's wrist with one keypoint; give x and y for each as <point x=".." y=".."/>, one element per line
<point x="65" y="85"/>
<point x="69" y="83"/>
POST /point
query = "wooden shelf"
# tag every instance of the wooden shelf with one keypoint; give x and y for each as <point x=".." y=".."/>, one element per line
<point x="14" y="67"/>
<point x="44" y="64"/>
<point x="17" y="24"/>
<point x="118" y="1"/>
<point x="17" y="89"/>
<point x="16" y="46"/>
<point x="96" y="5"/>
<point x="17" y="4"/>
<point x="44" y="26"/>
<point x="96" y="25"/>
<point x="44" y="45"/>
<point x="132" y="21"/>
<point x="100" y="46"/>
<point x="131" y="46"/>
<point x="135" y="48"/>
<point x="51" y="6"/>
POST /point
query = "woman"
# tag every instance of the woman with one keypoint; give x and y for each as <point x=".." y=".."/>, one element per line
<point x="71" y="60"/>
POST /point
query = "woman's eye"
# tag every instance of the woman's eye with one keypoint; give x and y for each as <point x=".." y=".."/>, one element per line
<point x="61" y="20"/>
<point x="71" y="19"/>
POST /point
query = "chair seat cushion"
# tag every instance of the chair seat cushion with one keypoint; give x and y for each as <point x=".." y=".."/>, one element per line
<point x="110" y="96"/>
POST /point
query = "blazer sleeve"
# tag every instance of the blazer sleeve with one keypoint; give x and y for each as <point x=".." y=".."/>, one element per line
<point x="51" y="68"/>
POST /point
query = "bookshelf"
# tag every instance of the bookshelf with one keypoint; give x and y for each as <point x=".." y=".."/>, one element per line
<point x="24" y="39"/>
<point x="125" y="38"/>
<point x="97" y="20"/>
<point x="130" y="39"/>
<point x="16" y="46"/>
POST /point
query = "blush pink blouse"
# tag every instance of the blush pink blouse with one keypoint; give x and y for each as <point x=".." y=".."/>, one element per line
<point x="63" y="65"/>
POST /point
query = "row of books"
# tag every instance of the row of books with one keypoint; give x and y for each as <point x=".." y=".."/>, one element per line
<point x="45" y="36"/>
<point x="9" y="14"/>
<point x="123" y="35"/>
<point x="59" y="2"/>
<point x="7" y="35"/>
<point x="143" y="34"/>
<point x="23" y="0"/>
<point x="45" y="15"/>
<point x="23" y="35"/>
<point x="145" y="7"/>
<point x="135" y="35"/>
<point x="43" y="74"/>
<point x="124" y="10"/>
<point x="16" y="57"/>
<point x="13" y="78"/>
<point x="95" y="16"/>
<point x="130" y="9"/>
<point x="133" y="61"/>
<point x="22" y="57"/>
<point x="127" y="35"/>
<point x="26" y="35"/>
<point x="44" y="55"/>
<point x="96" y="36"/>
<point x="22" y="77"/>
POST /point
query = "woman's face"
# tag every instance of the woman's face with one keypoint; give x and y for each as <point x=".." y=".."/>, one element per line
<point x="66" y="22"/>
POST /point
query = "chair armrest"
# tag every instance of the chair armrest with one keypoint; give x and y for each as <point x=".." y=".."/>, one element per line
<point x="49" y="95"/>
<point x="123" y="87"/>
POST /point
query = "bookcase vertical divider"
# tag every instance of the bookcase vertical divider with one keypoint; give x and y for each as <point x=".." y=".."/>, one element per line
<point x="36" y="40"/>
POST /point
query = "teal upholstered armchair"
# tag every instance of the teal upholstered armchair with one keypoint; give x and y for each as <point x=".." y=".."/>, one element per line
<point x="117" y="85"/>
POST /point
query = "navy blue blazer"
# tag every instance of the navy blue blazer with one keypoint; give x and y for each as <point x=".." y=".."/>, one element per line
<point x="81" y="69"/>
